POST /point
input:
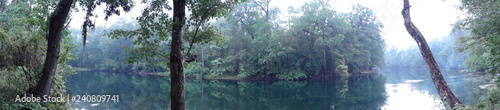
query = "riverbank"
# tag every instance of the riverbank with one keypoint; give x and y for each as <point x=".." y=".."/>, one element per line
<point x="269" y="77"/>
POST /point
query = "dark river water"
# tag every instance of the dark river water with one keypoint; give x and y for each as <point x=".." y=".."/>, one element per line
<point x="392" y="89"/>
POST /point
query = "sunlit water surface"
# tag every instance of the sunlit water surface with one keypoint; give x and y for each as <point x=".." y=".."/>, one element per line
<point x="393" y="89"/>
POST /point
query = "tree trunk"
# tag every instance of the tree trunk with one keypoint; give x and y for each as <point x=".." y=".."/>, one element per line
<point x="324" y="60"/>
<point x="56" y="24"/>
<point x="177" y="90"/>
<point x="445" y="93"/>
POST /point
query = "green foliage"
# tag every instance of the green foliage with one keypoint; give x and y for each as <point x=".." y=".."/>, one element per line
<point x="152" y="36"/>
<point x="195" y="69"/>
<point x="249" y="42"/>
<point x="291" y="75"/>
<point x="482" y="44"/>
<point x="106" y="53"/>
<point x="316" y="41"/>
<point x="488" y="101"/>
<point x="341" y="68"/>
<point x="491" y="100"/>
<point x="22" y="41"/>
<point x="12" y="82"/>
<point x="370" y="48"/>
<point x="67" y="47"/>
<point x="28" y="105"/>
<point x="112" y="7"/>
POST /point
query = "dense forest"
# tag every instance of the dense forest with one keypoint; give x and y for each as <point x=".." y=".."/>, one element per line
<point x="252" y="42"/>
<point x="23" y="45"/>
<point x="227" y="39"/>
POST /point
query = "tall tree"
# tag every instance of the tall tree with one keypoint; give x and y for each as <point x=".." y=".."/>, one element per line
<point x="56" y="25"/>
<point x="371" y="44"/>
<point x="318" y="41"/>
<point x="482" y="43"/>
<point x="155" y="25"/>
<point x="177" y="89"/>
<point x="445" y="93"/>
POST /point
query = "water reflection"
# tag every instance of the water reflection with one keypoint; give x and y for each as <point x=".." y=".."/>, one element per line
<point x="139" y="92"/>
<point x="346" y="94"/>
<point x="413" y="88"/>
<point x="136" y="92"/>
<point x="393" y="89"/>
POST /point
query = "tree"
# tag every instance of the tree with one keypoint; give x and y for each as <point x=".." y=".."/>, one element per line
<point x="56" y="25"/>
<point x="177" y="90"/>
<point x="248" y="35"/>
<point x="445" y="93"/>
<point x="155" y="24"/>
<point x="371" y="44"/>
<point x="22" y="42"/>
<point x="317" y="43"/>
<point x="202" y="11"/>
<point x="481" y="45"/>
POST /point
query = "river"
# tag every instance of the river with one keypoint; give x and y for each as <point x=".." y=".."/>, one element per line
<point x="392" y="89"/>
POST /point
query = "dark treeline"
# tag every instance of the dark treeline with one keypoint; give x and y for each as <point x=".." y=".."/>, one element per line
<point x="253" y="42"/>
<point x="444" y="50"/>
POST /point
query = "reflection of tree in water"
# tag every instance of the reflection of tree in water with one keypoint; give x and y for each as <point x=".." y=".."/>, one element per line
<point x="137" y="92"/>
<point x="346" y="94"/>
<point x="464" y="85"/>
<point x="364" y="93"/>
<point x="145" y="92"/>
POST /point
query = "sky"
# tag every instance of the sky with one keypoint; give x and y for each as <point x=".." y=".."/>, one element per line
<point x="434" y="18"/>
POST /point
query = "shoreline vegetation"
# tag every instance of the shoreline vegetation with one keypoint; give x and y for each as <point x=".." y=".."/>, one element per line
<point x="272" y="76"/>
<point x="230" y="76"/>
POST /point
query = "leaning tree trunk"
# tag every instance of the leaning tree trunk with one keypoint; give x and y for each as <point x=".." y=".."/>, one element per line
<point x="445" y="93"/>
<point x="56" y="24"/>
<point x="177" y="90"/>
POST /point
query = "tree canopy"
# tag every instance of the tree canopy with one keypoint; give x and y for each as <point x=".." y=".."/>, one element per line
<point x="482" y="43"/>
